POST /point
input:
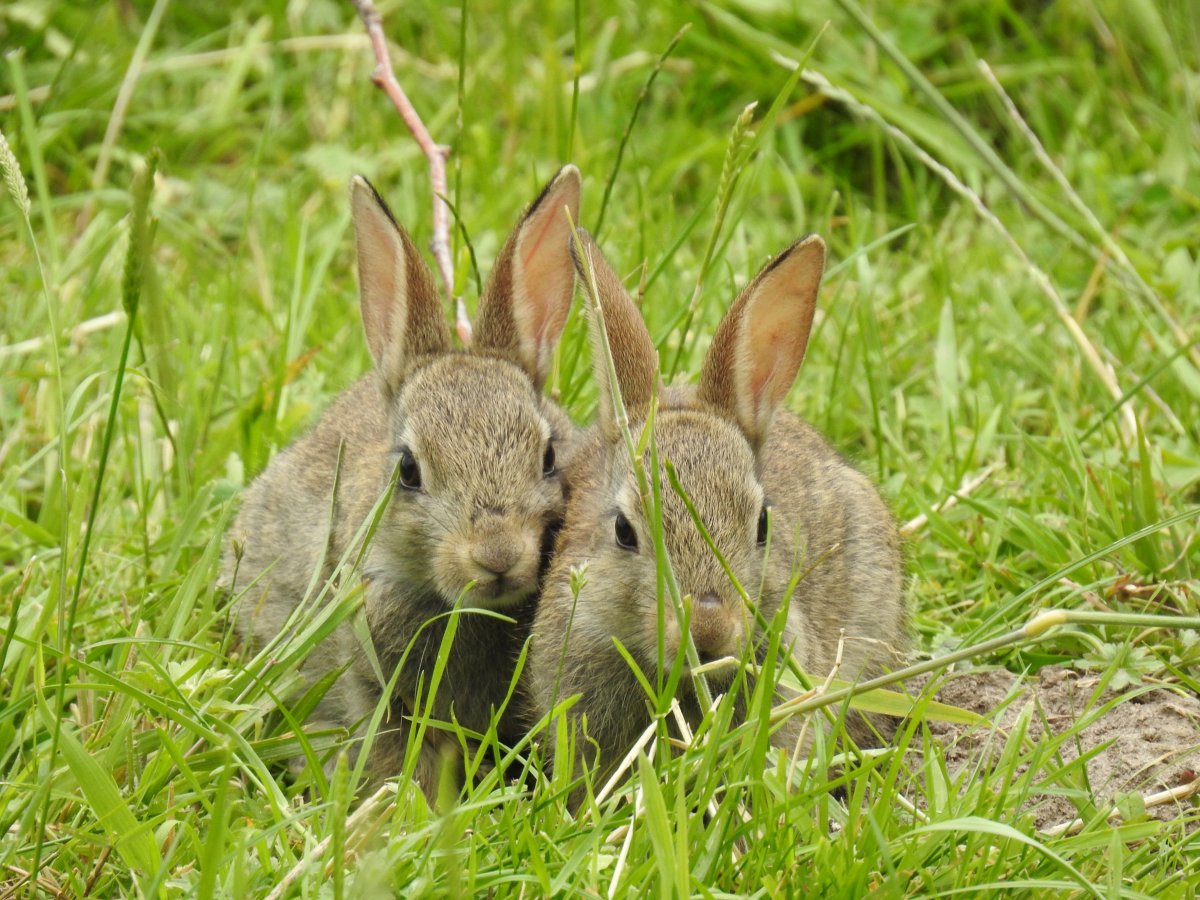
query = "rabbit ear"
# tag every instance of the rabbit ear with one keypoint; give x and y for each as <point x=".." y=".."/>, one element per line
<point x="401" y="312"/>
<point x="633" y="354"/>
<point x="760" y="343"/>
<point x="525" y="304"/>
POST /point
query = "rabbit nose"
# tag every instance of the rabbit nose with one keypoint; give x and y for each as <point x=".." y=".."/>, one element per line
<point x="497" y="555"/>
<point x="715" y="630"/>
<point x="496" y="545"/>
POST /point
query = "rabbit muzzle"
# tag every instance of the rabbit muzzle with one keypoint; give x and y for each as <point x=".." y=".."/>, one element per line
<point x="503" y="559"/>
<point x="498" y="554"/>
<point x="717" y="627"/>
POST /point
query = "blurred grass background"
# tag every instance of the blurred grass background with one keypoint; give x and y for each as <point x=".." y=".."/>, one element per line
<point x="943" y="350"/>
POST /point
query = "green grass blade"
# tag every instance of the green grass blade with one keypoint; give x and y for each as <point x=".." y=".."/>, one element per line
<point x="976" y="825"/>
<point x="131" y="838"/>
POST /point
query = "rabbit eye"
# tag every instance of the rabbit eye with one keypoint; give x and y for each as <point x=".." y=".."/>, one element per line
<point x="548" y="468"/>
<point x="762" y="527"/>
<point x="410" y="472"/>
<point x="626" y="536"/>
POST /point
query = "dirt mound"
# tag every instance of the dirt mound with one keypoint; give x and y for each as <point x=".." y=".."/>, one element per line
<point x="1149" y="740"/>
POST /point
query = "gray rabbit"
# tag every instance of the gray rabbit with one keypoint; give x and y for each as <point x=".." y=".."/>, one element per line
<point x="475" y="451"/>
<point x="741" y="459"/>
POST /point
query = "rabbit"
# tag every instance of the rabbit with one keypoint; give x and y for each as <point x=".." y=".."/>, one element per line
<point x="748" y="466"/>
<point x="476" y="452"/>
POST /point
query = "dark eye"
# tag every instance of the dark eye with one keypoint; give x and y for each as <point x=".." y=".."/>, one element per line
<point x="410" y="472"/>
<point x="548" y="461"/>
<point x="626" y="536"/>
<point x="762" y="527"/>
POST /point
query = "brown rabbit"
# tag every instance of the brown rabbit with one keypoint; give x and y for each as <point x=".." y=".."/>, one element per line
<point x="474" y="449"/>
<point x="737" y="456"/>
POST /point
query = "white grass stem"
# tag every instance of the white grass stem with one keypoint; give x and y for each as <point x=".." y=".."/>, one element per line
<point x="626" y="843"/>
<point x="910" y="807"/>
<point x="798" y="754"/>
<point x="685" y="732"/>
<point x="716" y="665"/>
<point x="1111" y="246"/>
<point x="312" y="43"/>
<point x="78" y="333"/>
<point x="622" y="770"/>
<point x="360" y="825"/>
<point x="39" y="94"/>
<point x="912" y="526"/>
<point x="1161" y="798"/>
<point x="1090" y="354"/>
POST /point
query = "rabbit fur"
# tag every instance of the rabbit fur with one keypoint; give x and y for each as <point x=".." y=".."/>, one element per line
<point x="471" y="451"/>
<point x="737" y="454"/>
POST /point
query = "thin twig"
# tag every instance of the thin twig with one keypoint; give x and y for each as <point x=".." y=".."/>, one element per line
<point x="44" y="881"/>
<point x="96" y="870"/>
<point x="912" y="526"/>
<point x="384" y="78"/>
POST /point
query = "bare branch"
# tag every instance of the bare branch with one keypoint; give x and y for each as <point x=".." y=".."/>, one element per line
<point x="384" y="78"/>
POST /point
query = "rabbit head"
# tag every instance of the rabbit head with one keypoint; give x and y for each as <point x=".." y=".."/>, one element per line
<point x="474" y="446"/>
<point x="807" y="538"/>
<point x="712" y="435"/>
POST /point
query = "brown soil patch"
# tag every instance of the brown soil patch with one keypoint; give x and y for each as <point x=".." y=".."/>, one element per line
<point x="1151" y="740"/>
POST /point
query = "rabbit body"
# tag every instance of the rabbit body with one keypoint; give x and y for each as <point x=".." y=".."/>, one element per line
<point x="736" y="458"/>
<point x="470" y="451"/>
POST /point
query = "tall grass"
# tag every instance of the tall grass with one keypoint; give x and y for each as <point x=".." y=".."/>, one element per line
<point x="142" y="752"/>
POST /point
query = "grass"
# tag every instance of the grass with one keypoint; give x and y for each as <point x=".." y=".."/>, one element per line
<point x="139" y="749"/>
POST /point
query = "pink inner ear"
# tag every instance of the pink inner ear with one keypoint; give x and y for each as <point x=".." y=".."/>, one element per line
<point x="779" y="320"/>
<point x="534" y="277"/>
<point x="532" y="241"/>
<point x="544" y="273"/>
<point x="375" y="317"/>
<point x="381" y="276"/>
<point x="775" y="340"/>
